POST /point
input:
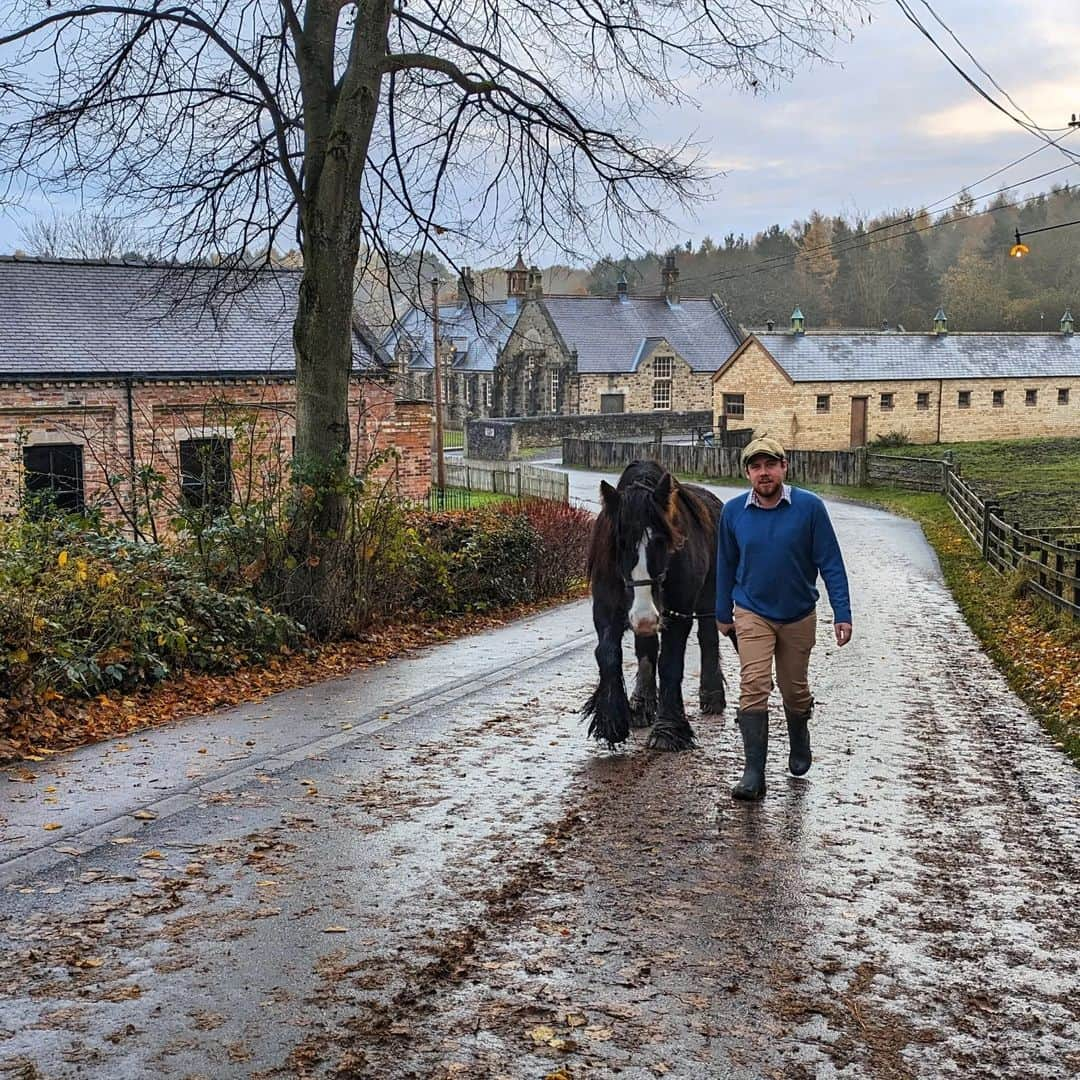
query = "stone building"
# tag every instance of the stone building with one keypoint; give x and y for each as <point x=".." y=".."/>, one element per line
<point x="836" y="389"/>
<point x="472" y="330"/>
<point x="111" y="371"/>
<point x="571" y="355"/>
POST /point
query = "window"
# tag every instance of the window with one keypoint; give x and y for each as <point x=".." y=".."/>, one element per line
<point x="922" y="400"/>
<point x="963" y="399"/>
<point x="823" y="403"/>
<point x="54" y="476"/>
<point x="555" y="391"/>
<point x="886" y="401"/>
<point x="734" y="405"/>
<point x="999" y="399"/>
<point x="612" y="403"/>
<point x="1063" y="395"/>
<point x="487" y="394"/>
<point x="206" y="472"/>
<point x="661" y="394"/>
<point x="1031" y="397"/>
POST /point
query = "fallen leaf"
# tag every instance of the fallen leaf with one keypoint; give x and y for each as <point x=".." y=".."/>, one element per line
<point x="50" y="825"/>
<point x="541" y="1033"/>
<point x="153" y="853"/>
<point x="335" y="929"/>
<point x="145" y="815"/>
<point x="122" y="840"/>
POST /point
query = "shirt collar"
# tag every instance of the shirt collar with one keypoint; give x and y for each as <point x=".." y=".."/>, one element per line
<point x="753" y="500"/>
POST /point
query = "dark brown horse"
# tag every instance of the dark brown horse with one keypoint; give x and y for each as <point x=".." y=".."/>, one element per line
<point x="652" y="568"/>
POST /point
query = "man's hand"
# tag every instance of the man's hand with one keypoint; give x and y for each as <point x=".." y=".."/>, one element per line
<point x="843" y="633"/>
<point x="725" y="628"/>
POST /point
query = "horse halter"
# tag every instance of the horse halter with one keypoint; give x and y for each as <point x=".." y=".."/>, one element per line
<point x="657" y="581"/>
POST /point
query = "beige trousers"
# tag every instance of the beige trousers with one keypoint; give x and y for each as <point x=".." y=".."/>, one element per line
<point x="760" y="641"/>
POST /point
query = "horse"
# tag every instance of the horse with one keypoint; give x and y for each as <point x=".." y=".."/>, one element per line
<point x="652" y="568"/>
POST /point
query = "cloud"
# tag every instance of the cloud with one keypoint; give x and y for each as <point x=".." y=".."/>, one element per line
<point x="976" y="120"/>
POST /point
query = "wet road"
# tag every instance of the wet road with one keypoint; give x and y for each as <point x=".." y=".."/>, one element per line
<point x="426" y="870"/>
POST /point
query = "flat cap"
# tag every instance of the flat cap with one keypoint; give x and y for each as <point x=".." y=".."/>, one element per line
<point x="765" y="445"/>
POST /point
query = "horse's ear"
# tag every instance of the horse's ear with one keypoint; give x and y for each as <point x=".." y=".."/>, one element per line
<point x="664" y="490"/>
<point x="610" y="497"/>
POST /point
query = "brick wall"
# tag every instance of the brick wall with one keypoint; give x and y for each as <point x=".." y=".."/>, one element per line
<point x="790" y="410"/>
<point x="257" y="415"/>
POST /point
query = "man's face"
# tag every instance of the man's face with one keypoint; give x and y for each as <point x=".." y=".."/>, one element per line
<point x="766" y="474"/>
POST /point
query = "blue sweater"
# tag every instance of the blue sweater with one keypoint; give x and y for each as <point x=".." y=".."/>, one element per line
<point x="767" y="561"/>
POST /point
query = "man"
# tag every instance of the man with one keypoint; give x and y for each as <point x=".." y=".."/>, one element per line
<point x="771" y="546"/>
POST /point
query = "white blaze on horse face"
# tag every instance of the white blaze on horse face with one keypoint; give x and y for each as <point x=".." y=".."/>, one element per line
<point x="644" y="618"/>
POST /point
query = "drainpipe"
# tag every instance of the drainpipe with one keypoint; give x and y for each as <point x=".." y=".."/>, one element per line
<point x="129" y="395"/>
<point x="940" y="390"/>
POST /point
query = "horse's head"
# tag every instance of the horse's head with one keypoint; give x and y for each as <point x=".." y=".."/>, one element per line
<point x="646" y="531"/>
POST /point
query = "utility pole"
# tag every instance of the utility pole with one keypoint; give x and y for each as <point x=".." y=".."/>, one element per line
<point x="440" y="464"/>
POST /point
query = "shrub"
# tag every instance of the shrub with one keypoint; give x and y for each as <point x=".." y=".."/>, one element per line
<point x="892" y="438"/>
<point x="83" y="610"/>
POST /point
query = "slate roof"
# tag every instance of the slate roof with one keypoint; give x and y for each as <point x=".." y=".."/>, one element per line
<point x="479" y="331"/>
<point x="82" y="319"/>
<point x="845" y="355"/>
<point x="612" y="335"/>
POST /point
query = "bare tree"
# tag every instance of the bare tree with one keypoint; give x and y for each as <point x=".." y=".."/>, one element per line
<point x="379" y="126"/>
<point x="90" y="235"/>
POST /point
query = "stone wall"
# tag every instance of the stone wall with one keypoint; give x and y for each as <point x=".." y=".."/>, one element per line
<point x="789" y="411"/>
<point x="257" y="415"/>
<point x="690" y="390"/>
<point x="499" y="439"/>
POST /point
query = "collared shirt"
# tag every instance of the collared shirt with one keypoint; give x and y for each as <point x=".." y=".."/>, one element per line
<point x="753" y="500"/>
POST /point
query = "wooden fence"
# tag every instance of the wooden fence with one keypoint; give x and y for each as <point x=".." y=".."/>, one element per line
<point x="841" y="467"/>
<point x="520" y="481"/>
<point x="1049" y="562"/>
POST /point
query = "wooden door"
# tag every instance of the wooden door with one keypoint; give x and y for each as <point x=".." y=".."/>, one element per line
<point x="858" y="422"/>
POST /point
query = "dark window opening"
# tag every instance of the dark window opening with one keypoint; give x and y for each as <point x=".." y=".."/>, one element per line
<point x="886" y="401"/>
<point x="963" y="399"/>
<point x="1031" y="397"/>
<point x="54" y="476"/>
<point x="206" y="472"/>
<point x="999" y="399"/>
<point x="1063" y="395"/>
<point x="822" y="402"/>
<point x="612" y="403"/>
<point x="922" y="400"/>
<point x="734" y="404"/>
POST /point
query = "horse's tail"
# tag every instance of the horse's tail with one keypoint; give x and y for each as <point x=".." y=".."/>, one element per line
<point x="601" y="546"/>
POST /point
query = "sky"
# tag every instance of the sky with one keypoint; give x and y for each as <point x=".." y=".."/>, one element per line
<point x="889" y="125"/>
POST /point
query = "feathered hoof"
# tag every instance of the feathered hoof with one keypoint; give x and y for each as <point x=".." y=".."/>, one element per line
<point x="713" y="702"/>
<point x="671" y="738"/>
<point x="642" y="712"/>
<point x="609" y="718"/>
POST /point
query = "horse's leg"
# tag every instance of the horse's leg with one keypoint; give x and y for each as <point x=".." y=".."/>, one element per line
<point x="672" y="731"/>
<point x="608" y="708"/>
<point x="711" y="694"/>
<point x="643" y="699"/>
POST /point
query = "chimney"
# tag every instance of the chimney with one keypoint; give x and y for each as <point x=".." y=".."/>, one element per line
<point x="535" y="286"/>
<point x="622" y="289"/>
<point x="1067" y="323"/>
<point x="769" y="324"/>
<point x="884" y="326"/>
<point x="465" y="285"/>
<point x="941" y="322"/>
<point x="669" y="277"/>
<point x="798" y="322"/>
<point x="517" y="279"/>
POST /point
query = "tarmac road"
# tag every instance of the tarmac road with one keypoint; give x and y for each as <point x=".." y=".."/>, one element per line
<point x="426" y="870"/>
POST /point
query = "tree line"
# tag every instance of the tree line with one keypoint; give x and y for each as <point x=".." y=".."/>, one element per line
<point x="897" y="267"/>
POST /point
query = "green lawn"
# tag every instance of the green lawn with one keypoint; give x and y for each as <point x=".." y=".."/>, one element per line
<point x="454" y="498"/>
<point x="1037" y="481"/>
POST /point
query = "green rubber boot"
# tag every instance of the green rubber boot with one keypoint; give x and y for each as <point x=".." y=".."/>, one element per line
<point x="798" y="729"/>
<point x="754" y="725"/>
